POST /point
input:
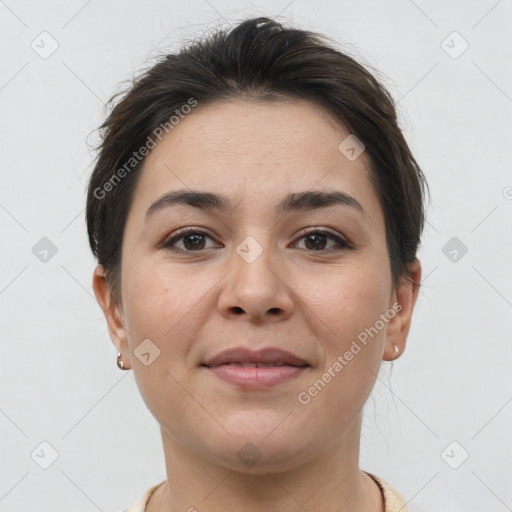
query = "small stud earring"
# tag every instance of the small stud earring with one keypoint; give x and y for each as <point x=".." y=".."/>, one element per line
<point x="396" y="349"/>
<point x="120" y="363"/>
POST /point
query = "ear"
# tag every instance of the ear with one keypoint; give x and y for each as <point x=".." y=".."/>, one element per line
<point x="398" y="326"/>
<point x="113" y="314"/>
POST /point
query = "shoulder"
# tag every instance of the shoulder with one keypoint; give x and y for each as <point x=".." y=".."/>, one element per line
<point x="393" y="502"/>
<point x="140" y="506"/>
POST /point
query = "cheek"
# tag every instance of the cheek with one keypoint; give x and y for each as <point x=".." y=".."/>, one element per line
<point x="154" y="294"/>
<point x="360" y="330"/>
<point x="167" y="307"/>
<point x="349" y="302"/>
<point x="348" y="299"/>
<point x="164" y="308"/>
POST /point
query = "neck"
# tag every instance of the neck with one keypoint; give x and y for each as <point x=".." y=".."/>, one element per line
<point x="331" y="482"/>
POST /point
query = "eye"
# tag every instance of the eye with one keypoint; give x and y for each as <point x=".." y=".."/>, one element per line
<point x="316" y="240"/>
<point x="193" y="240"/>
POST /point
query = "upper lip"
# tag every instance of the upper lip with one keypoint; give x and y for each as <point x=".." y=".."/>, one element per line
<point x="264" y="355"/>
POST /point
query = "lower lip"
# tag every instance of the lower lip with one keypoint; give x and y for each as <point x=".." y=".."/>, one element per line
<point x="253" y="377"/>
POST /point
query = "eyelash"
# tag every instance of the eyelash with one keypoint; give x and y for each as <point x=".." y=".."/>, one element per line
<point x="169" y="243"/>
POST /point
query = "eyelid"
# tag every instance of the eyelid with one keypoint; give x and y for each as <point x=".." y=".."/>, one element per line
<point x="323" y="230"/>
<point x="179" y="234"/>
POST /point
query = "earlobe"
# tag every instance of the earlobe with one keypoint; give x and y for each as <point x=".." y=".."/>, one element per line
<point x="113" y="313"/>
<point x="398" y="327"/>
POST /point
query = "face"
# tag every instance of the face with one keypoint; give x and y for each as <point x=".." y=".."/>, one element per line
<point x="308" y="275"/>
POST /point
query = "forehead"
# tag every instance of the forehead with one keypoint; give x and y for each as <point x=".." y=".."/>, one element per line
<point x="255" y="152"/>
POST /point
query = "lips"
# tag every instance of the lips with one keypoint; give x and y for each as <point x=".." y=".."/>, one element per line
<point x="250" y="370"/>
<point x="245" y="358"/>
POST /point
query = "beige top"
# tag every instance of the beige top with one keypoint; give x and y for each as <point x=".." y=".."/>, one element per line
<point x="393" y="502"/>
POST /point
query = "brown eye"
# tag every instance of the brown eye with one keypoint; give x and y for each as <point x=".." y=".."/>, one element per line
<point x="317" y="241"/>
<point x="192" y="241"/>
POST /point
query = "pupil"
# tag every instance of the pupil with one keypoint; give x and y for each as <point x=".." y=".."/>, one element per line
<point x="197" y="239"/>
<point x="317" y="238"/>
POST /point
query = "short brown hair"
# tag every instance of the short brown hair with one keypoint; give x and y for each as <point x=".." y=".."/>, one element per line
<point x="261" y="59"/>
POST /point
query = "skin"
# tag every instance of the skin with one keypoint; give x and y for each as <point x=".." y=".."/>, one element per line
<point x="314" y="303"/>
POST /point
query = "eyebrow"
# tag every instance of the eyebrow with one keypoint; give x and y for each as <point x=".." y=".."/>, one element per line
<point x="297" y="201"/>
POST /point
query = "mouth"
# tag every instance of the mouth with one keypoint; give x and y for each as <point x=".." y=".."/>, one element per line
<point x="258" y="365"/>
<point x="256" y="370"/>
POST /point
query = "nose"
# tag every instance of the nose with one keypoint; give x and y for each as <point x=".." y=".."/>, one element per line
<point x="255" y="289"/>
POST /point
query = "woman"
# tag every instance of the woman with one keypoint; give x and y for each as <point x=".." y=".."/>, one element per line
<point x="256" y="212"/>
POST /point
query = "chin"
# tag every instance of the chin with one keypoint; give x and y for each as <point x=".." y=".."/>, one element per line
<point x="253" y="450"/>
<point x="253" y="459"/>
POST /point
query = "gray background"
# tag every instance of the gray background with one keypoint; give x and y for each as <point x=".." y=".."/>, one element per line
<point x="58" y="380"/>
